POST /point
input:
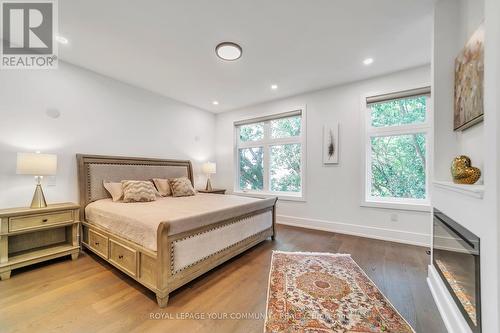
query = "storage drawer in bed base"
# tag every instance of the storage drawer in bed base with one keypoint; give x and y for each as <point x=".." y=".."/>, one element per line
<point x="128" y="257"/>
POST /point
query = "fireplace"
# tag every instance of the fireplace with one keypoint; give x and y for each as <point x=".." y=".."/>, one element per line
<point x="456" y="258"/>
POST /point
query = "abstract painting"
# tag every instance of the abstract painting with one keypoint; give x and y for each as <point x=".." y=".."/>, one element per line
<point x="469" y="77"/>
<point x="331" y="144"/>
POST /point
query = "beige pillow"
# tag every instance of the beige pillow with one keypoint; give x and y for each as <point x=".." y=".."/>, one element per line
<point x="138" y="191"/>
<point x="163" y="186"/>
<point x="114" y="189"/>
<point x="181" y="187"/>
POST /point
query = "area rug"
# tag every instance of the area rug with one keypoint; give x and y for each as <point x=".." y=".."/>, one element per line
<point x="324" y="292"/>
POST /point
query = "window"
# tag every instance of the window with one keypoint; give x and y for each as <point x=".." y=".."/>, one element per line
<point x="270" y="155"/>
<point x="397" y="129"/>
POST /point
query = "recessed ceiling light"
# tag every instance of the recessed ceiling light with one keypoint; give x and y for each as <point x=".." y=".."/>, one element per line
<point x="62" y="40"/>
<point x="368" y="61"/>
<point x="228" y="51"/>
<point x="215" y="102"/>
<point x="274" y="86"/>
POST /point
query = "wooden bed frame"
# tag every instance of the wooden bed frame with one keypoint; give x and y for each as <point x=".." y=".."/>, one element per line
<point x="154" y="270"/>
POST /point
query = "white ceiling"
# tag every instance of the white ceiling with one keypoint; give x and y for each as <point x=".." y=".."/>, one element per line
<point x="301" y="45"/>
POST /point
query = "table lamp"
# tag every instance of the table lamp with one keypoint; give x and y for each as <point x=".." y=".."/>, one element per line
<point x="209" y="168"/>
<point x="37" y="165"/>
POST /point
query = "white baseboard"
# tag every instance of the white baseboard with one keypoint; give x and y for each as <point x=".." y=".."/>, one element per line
<point x="391" y="235"/>
<point x="452" y="317"/>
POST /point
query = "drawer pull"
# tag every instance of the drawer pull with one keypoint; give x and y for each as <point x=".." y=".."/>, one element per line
<point x="45" y="220"/>
<point x="96" y="243"/>
<point x="120" y="257"/>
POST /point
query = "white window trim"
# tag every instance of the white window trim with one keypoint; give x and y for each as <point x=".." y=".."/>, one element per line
<point x="367" y="131"/>
<point x="265" y="144"/>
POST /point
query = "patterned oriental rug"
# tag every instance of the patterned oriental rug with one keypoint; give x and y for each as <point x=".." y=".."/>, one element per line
<point x="323" y="292"/>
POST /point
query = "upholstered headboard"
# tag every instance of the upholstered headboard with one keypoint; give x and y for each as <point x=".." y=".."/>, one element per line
<point x="94" y="169"/>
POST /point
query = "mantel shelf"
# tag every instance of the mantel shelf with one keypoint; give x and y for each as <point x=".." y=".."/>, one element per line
<point x="475" y="191"/>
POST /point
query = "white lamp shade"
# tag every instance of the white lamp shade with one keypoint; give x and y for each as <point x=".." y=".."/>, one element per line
<point x="209" y="168"/>
<point x="36" y="164"/>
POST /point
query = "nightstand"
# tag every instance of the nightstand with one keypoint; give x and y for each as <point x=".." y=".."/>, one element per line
<point x="213" y="191"/>
<point x="32" y="235"/>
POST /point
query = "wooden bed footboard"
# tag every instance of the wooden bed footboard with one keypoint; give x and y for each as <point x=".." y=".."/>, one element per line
<point x="170" y="279"/>
<point x="155" y="270"/>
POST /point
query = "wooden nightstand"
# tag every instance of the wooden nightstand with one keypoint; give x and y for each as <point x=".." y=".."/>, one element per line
<point x="32" y="235"/>
<point x="214" y="191"/>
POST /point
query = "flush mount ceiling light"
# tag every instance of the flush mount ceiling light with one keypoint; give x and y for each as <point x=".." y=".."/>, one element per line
<point x="368" y="61"/>
<point x="228" y="51"/>
<point x="61" y="39"/>
<point x="215" y="102"/>
<point x="274" y="86"/>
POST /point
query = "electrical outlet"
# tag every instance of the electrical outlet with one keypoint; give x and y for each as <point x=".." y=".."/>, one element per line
<point x="394" y="217"/>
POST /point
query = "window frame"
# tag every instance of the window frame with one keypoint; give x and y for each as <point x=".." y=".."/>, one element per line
<point x="266" y="143"/>
<point x="368" y="131"/>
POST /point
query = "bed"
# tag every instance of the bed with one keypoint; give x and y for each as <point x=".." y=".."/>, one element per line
<point x="168" y="242"/>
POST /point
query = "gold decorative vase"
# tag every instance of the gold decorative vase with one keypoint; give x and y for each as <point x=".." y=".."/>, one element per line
<point x="462" y="171"/>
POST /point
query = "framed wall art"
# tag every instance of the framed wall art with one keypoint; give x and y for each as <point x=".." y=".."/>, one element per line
<point x="331" y="143"/>
<point x="469" y="77"/>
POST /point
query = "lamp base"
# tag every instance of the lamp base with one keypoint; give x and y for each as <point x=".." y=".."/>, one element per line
<point x="38" y="198"/>
<point x="209" y="185"/>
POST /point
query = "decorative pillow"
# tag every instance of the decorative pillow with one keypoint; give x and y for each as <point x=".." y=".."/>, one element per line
<point x="114" y="189"/>
<point x="138" y="191"/>
<point x="181" y="187"/>
<point x="163" y="186"/>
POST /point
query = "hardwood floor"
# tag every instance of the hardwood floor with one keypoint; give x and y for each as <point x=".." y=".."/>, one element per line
<point x="89" y="295"/>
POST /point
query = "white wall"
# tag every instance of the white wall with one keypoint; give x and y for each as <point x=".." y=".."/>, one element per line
<point x="444" y="51"/>
<point x="99" y="115"/>
<point x="333" y="193"/>
<point x="481" y="142"/>
<point x="457" y="22"/>
<point x="471" y="17"/>
<point x="491" y="242"/>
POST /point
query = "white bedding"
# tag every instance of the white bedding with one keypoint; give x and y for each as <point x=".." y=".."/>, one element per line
<point x="138" y="222"/>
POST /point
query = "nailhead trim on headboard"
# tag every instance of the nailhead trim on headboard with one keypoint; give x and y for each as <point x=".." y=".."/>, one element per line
<point x="84" y="169"/>
<point x="90" y="186"/>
